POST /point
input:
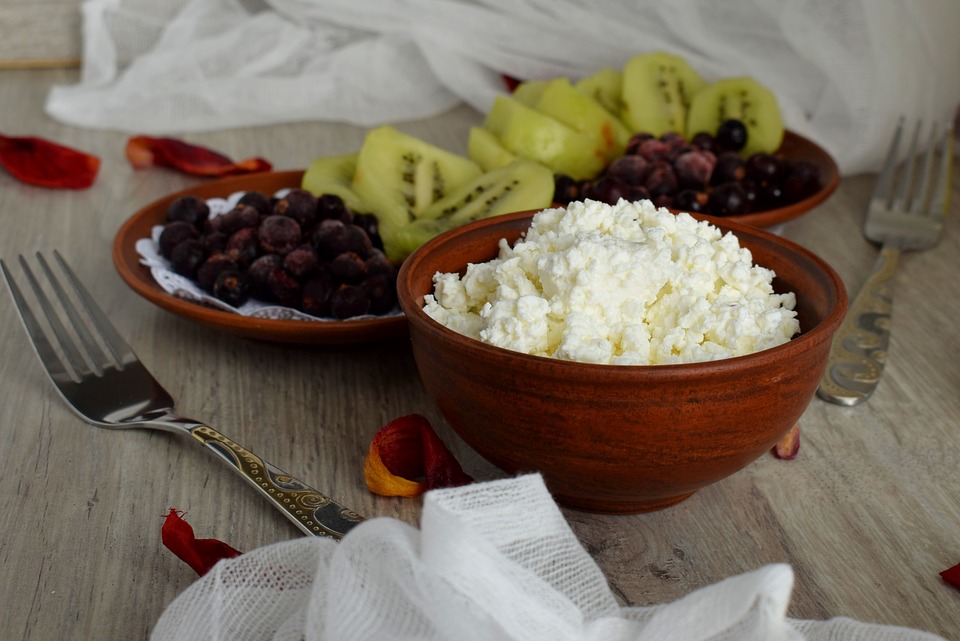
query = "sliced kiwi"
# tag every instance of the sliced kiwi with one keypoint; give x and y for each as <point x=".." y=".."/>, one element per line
<point x="742" y="99"/>
<point x="604" y="86"/>
<point x="519" y="186"/>
<point x="575" y="109"/>
<point x="485" y="149"/>
<point x="399" y="175"/>
<point x="529" y="91"/>
<point x="532" y="134"/>
<point x="334" y="175"/>
<point x="657" y="90"/>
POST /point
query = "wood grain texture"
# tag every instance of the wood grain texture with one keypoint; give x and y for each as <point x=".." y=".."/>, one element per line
<point x="39" y="33"/>
<point x="867" y="515"/>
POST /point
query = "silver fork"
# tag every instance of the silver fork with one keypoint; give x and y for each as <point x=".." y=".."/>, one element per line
<point x="905" y="214"/>
<point x="103" y="381"/>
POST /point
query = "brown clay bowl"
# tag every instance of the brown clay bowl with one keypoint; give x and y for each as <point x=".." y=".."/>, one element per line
<point x="620" y="439"/>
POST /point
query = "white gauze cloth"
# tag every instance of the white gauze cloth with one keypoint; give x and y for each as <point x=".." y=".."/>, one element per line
<point x="844" y="71"/>
<point x="475" y="572"/>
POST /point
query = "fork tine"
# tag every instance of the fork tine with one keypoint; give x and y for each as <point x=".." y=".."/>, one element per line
<point x="97" y="358"/>
<point x="884" y="186"/>
<point x="48" y="355"/>
<point x="940" y="199"/>
<point x="122" y="352"/>
<point x="919" y="201"/>
<point x="909" y="168"/>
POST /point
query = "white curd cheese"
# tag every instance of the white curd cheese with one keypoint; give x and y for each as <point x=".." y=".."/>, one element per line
<point x="628" y="284"/>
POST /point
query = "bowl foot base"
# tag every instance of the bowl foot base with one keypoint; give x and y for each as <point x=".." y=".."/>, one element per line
<point x="598" y="506"/>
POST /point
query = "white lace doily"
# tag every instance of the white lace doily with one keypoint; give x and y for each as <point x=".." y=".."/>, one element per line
<point x="176" y="285"/>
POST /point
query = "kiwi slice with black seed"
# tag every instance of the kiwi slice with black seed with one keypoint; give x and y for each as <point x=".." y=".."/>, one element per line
<point x="398" y="175"/>
<point x="743" y="99"/>
<point x="657" y="90"/>
<point x="519" y="186"/>
<point x="334" y="175"/>
<point x="604" y="86"/>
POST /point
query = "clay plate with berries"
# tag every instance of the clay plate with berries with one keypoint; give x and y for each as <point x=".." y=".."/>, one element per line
<point x="139" y="278"/>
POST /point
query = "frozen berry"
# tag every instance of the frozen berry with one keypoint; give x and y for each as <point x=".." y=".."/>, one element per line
<point x="187" y="257"/>
<point x="763" y="168"/>
<point x="730" y="167"/>
<point x="608" y="189"/>
<point x="727" y="199"/>
<point x="284" y="287"/>
<point x="211" y="268"/>
<point x="300" y="205"/>
<point x="691" y="200"/>
<point x="302" y="262"/>
<point x="694" y="168"/>
<point x="381" y="290"/>
<point x="662" y="179"/>
<point x="259" y="201"/>
<point x="637" y="139"/>
<point x="232" y="287"/>
<point x="175" y="233"/>
<point x="190" y="209"/>
<point x="279" y="234"/>
<point x="704" y="141"/>
<point x="243" y="246"/>
<point x="369" y="224"/>
<point x="631" y="169"/>
<point x="348" y="267"/>
<point x="565" y="189"/>
<point x="331" y="206"/>
<point x="315" y="297"/>
<point x="236" y="219"/>
<point x="348" y="301"/>
<point x="259" y="272"/>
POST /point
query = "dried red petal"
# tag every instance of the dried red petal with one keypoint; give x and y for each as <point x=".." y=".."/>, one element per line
<point x="145" y="151"/>
<point x="509" y="82"/>
<point x="952" y="575"/>
<point x="42" y="163"/>
<point x="405" y="450"/>
<point x="199" y="554"/>
<point x="789" y="445"/>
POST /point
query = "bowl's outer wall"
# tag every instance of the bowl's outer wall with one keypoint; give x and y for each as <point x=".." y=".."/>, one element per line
<point x="583" y="427"/>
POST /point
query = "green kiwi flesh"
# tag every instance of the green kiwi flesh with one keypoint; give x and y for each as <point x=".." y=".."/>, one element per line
<point x="485" y="149"/>
<point x="604" y="86"/>
<point x="534" y="135"/>
<point x="519" y="186"/>
<point x="399" y="175"/>
<point x="334" y="175"/>
<point x="657" y="90"/>
<point x="743" y="99"/>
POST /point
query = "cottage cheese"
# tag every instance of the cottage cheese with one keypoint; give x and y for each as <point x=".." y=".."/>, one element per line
<point x="625" y="285"/>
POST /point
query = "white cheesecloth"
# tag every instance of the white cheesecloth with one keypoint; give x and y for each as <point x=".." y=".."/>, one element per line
<point x="844" y="71"/>
<point x="465" y="577"/>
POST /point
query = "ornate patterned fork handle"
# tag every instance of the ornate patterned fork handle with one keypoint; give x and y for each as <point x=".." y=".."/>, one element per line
<point x="859" y="348"/>
<point x="313" y="512"/>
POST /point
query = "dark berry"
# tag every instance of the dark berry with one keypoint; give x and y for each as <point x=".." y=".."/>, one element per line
<point x="704" y="141"/>
<point x="763" y="169"/>
<point x="378" y="263"/>
<point x="632" y="169"/>
<point x="381" y="290"/>
<point x="348" y="267"/>
<point x="259" y="201"/>
<point x="694" y="168"/>
<point x="259" y="272"/>
<point x="654" y="150"/>
<point x="243" y="246"/>
<point x="214" y="242"/>
<point x="175" y="233"/>
<point x="727" y="199"/>
<point x="187" y="257"/>
<point x="300" y="205"/>
<point x="348" y="301"/>
<point x="315" y="298"/>
<point x="238" y="218"/>
<point x="189" y="209"/>
<point x="284" y="287"/>
<point x="731" y="135"/>
<point x="608" y="189"/>
<point x="232" y="287"/>
<point x="279" y="234"/>
<point x="730" y="167"/>
<point x="691" y="200"/>
<point x="565" y="189"/>
<point x="211" y="268"/>
<point x="637" y="139"/>
<point x="662" y="179"/>
<point x="802" y="180"/>
<point x="332" y="206"/>
<point x="302" y="262"/>
<point x="370" y="224"/>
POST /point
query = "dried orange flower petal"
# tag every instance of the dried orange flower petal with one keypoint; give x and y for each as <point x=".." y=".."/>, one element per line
<point x="146" y="151"/>
<point x="42" y="163"/>
<point x="403" y="452"/>
<point x="788" y="446"/>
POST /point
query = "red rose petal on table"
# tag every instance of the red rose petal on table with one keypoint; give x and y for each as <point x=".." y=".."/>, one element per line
<point x="146" y="151"/>
<point x="199" y="554"/>
<point x="405" y="450"/>
<point x="788" y="446"/>
<point x="952" y="576"/>
<point x="42" y="163"/>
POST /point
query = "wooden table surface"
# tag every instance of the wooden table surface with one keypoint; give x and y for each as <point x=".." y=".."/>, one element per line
<point x="867" y="515"/>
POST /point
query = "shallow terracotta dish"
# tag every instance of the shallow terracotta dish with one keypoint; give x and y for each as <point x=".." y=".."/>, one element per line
<point x="621" y="439"/>
<point x="138" y="277"/>
<point x="796" y="147"/>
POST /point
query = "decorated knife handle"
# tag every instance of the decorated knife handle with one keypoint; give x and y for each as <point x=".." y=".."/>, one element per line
<point x="310" y="510"/>
<point x="859" y="348"/>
